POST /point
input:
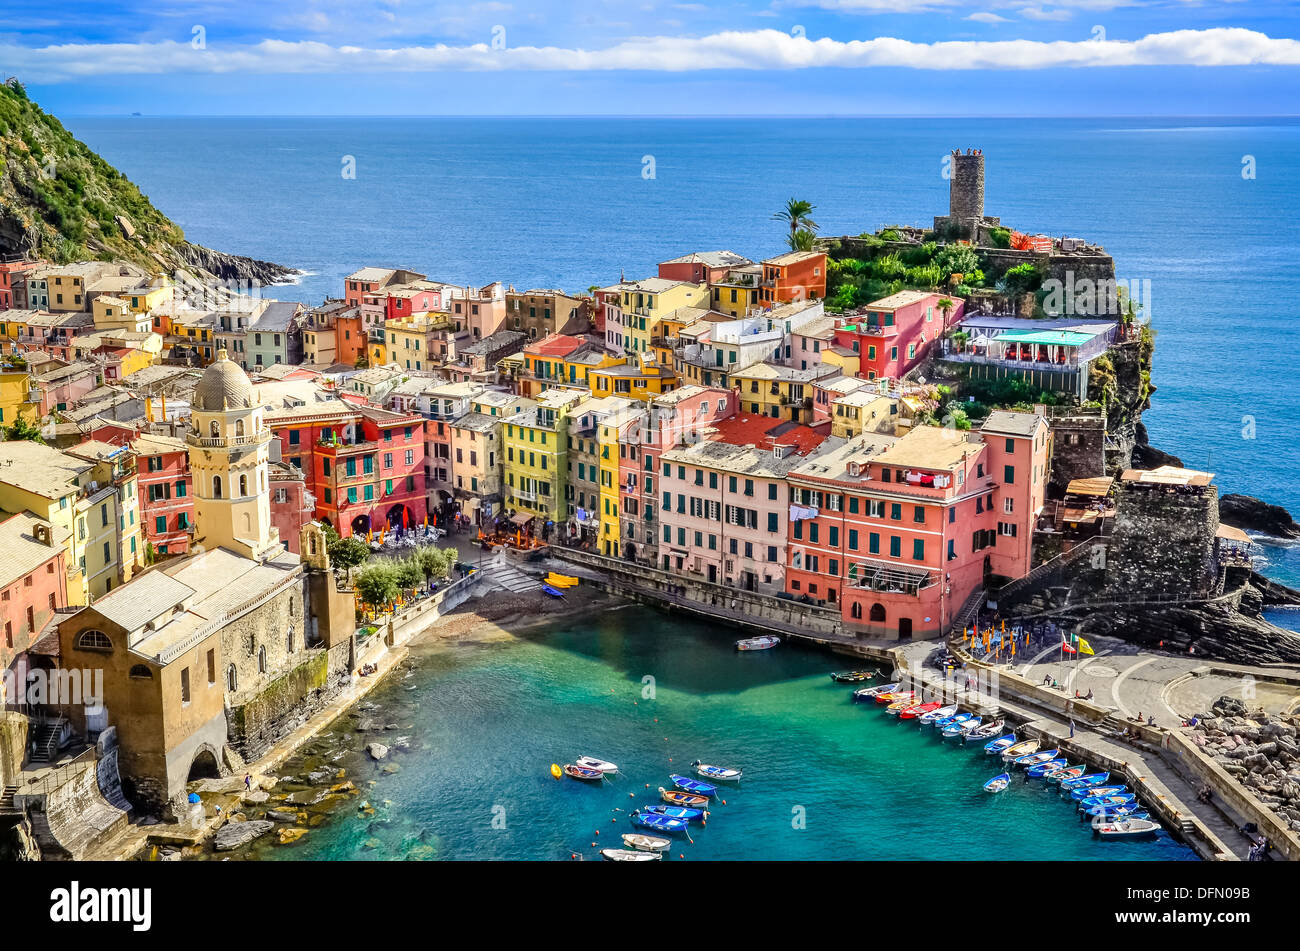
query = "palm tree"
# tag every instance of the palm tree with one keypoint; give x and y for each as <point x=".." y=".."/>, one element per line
<point x="945" y="307"/>
<point x="795" y="214"/>
<point x="802" y="240"/>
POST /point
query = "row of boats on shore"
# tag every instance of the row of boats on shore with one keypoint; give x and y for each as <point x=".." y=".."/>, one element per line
<point x="686" y="803"/>
<point x="1113" y="808"/>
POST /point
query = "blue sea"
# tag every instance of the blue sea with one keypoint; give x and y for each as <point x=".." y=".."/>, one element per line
<point x="575" y="202"/>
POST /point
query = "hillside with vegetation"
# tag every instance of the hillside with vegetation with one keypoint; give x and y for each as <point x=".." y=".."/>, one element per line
<point x="61" y="201"/>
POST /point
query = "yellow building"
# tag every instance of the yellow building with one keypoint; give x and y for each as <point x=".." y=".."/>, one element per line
<point x="114" y="545"/>
<point x="114" y="313"/>
<point x="406" y="341"/>
<point x="643" y="304"/>
<point x="737" y="293"/>
<point x="642" y="378"/>
<point x="536" y="465"/>
<point x="377" y="353"/>
<point x="777" y="391"/>
<point x="862" y="411"/>
<point x="148" y="298"/>
<point x="845" y="360"/>
<point x="15" y="393"/>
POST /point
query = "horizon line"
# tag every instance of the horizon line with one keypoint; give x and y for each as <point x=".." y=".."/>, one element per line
<point x="668" y="115"/>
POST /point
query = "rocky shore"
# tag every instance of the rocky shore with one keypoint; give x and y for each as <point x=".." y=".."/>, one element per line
<point x="232" y="267"/>
<point x="1253" y="515"/>
<point x="1259" y="749"/>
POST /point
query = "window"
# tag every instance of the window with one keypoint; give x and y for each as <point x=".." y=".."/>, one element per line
<point x="1009" y="474"/>
<point x="185" y="685"/>
<point x="212" y="667"/>
<point x="232" y="678"/>
<point x="160" y="524"/>
<point x="895" y="546"/>
<point x="1007" y="505"/>
<point x="261" y="659"/>
<point x="853" y="539"/>
<point x="918" y="549"/>
<point x="918" y="514"/>
<point x="141" y="672"/>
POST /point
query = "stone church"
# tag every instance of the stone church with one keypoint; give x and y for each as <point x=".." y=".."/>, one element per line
<point x="208" y="659"/>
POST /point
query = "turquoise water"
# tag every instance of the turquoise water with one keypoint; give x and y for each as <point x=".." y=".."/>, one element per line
<point x="488" y="719"/>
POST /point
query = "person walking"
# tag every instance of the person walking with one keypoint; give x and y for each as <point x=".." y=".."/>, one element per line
<point x="248" y="782"/>
<point x="1072" y="728"/>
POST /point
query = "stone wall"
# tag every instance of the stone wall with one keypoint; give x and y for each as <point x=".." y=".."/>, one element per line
<point x="283" y="704"/>
<point x="274" y="629"/>
<point x="1078" y="450"/>
<point x="1163" y="543"/>
<point x="13" y="745"/>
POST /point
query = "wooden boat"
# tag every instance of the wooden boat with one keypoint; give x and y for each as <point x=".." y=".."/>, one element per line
<point x="693" y="785"/>
<point x="960" y="727"/>
<point x="1033" y="759"/>
<point x="897" y="700"/>
<point x="1064" y="773"/>
<point x="1127" y="828"/>
<point x="560" y="581"/>
<point x="986" y="732"/>
<point x="725" y="774"/>
<point x="676" y="797"/>
<point x="1023" y="748"/>
<point x="943" y="723"/>
<point x="1078" y="795"/>
<point x="590" y="762"/>
<point x="652" y="820"/>
<point x="1039" y="770"/>
<point x="766" y="642"/>
<point x="583" y="772"/>
<point x="1123" y="812"/>
<point x="998" y="783"/>
<point x="685" y="813"/>
<point x="919" y="710"/>
<point x="1000" y="744"/>
<point x="646" y="843"/>
<point x="939" y="714"/>
<point x="553" y="592"/>
<point x="853" y="676"/>
<point x="630" y="855"/>
<point x="866" y="693"/>
<point x="1089" y="779"/>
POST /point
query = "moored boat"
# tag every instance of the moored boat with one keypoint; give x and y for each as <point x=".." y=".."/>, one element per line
<point x="939" y="714"/>
<point x="685" y="813"/>
<point x="693" y="785"/>
<point x="867" y="693"/>
<point x="1127" y="828"/>
<point x="1105" y="803"/>
<point x="719" y="773"/>
<point x="1000" y="744"/>
<point x="894" y="695"/>
<point x="901" y="701"/>
<point x="646" y="843"/>
<point x="583" y="772"/>
<point x="1123" y="812"/>
<point x="998" y="783"/>
<point x="1064" y="773"/>
<point x="986" y="731"/>
<point x="591" y="762"/>
<point x="915" y="712"/>
<point x="676" y="797"/>
<point x="1083" y="793"/>
<point x="853" y="676"/>
<point x="1033" y="759"/>
<point x="1039" y="770"/>
<point x="960" y="727"/>
<point x="560" y="581"/>
<point x="1088" y="779"/>
<point x="629" y="855"/>
<point x="766" y="642"/>
<point x="944" y="722"/>
<point x="652" y="820"/>
<point x="1017" y="750"/>
<point x="553" y="592"/>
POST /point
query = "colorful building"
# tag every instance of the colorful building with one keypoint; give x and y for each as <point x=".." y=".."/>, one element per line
<point x="166" y="492"/>
<point x="33" y="586"/>
<point x="536" y="444"/>
<point x="793" y="276"/>
<point x="896" y="333"/>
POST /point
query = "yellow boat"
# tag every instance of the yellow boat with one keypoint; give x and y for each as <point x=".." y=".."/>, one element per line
<point x="561" y="581"/>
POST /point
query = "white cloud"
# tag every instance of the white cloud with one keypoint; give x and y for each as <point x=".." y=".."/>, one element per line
<point x="751" y="50"/>
<point x="987" y="18"/>
<point x="1038" y="13"/>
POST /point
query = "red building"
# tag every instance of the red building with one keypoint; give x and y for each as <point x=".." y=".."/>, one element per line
<point x="703" y="267"/>
<point x="900" y="533"/>
<point x="896" y="332"/>
<point x="795" y="275"/>
<point x="292" y="506"/>
<point x="12" y="272"/>
<point x="33" y="585"/>
<point x="364" y="466"/>
<point x="166" y="492"/>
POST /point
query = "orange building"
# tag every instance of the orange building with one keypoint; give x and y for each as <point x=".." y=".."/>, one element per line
<point x="795" y="275"/>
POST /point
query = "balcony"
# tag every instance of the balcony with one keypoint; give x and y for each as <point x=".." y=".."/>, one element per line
<point x="887" y="577"/>
<point x="227" y="442"/>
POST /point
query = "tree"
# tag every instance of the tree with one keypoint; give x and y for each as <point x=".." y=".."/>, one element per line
<point x="347" y="552"/>
<point x="945" y="307"/>
<point x="409" y="573"/>
<point x="377" y="584"/>
<point x="802" y="240"/>
<point x="795" y="214"/>
<point x="436" y="562"/>
<point x="956" y="259"/>
<point x="24" y="429"/>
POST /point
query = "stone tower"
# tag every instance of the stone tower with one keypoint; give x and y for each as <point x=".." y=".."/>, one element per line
<point x="965" y="197"/>
<point x="229" y="449"/>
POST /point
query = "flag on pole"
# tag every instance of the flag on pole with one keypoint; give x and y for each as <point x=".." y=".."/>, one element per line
<point x="1067" y="647"/>
<point x="1084" y="646"/>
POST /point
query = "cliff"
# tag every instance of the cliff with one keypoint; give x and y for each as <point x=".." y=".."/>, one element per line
<point x="1252" y="515"/>
<point x="62" y="202"/>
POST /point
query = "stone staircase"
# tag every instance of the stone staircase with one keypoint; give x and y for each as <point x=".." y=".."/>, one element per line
<point x="512" y="578"/>
<point x="45" y="745"/>
<point x="7" y="805"/>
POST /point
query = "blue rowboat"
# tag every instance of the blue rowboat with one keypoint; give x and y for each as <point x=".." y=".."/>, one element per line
<point x="940" y="714"/>
<point x="1133" y="809"/>
<point x="1039" y="770"/>
<point x="1091" y="779"/>
<point x="998" y="783"/>
<point x="963" y="727"/>
<point x="1033" y="759"/>
<point x="553" y="592"/>
<point x="694" y="785"/>
<point x="945" y="722"/>
<point x="1080" y="794"/>
<point x="652" y="820"/>
<point x="1121" y="813"/>
<point x="1064" y="773"/>
<point x="685" y="813"/>
<point x="1000" y="744"/>
<point x="1093" y="802"/>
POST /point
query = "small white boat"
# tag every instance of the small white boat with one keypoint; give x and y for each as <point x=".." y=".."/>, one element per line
<point x="647" y="843"/>
<point x="766" y="642"/>
<point x="986" y="732"/>
<point x="630" y="855"/>
<point x="867" y="693"/>
<point x="939" y="714"/>
<point x="1124" y="828"/>
<point x="1023" y="748"/>
<point x="724" y="773"/>
<point x="590" y="762"/>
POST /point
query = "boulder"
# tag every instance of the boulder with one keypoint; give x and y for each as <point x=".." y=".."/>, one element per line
<point x="1253" y="515"/>
<point x="280" y="815"/>
<point x="377" y="751"/>
<point x="234" y="834"/>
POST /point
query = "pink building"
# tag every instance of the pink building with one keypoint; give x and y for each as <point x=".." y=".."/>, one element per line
<point x="724" y="507"/>
<point x="292" y="506"/>
<point x="33" y="586"/>
<point x="64" y="386"/>
<point x="481" y="311"/>
<point x="895" y="333"/>
<point x="702" y="267"/>
<point x="11" y="273"/>
<point x="166" y="492"/>
<point x="899" y="532"/>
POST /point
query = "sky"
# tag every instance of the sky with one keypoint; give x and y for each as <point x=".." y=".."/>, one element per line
<point x="658" y="57"/>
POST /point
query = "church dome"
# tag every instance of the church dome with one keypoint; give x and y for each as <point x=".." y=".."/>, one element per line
<point x="223" y="386"/>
